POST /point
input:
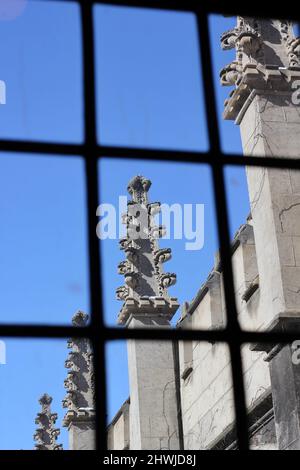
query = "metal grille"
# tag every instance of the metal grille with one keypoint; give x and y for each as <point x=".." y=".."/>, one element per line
<point x="92" y="151"/>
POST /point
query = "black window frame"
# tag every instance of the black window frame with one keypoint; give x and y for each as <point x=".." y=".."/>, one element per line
<point x="92" y="151"/>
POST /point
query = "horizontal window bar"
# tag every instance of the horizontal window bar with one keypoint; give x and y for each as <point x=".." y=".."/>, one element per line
<point x="85" y="151"/>
<point x="235" y="7"/>
<point x="109" y="334"/>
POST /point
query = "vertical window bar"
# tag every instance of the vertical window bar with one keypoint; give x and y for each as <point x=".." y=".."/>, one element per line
<point x="91" y="166"/>
<point x="223" y="231"/>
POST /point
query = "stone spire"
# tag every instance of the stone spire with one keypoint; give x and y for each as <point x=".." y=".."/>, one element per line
<point x="153" y="411"/>
<point x="46" y="434"/>
<point x="146" y="285"/>
<point x="267" y="58"/>
<point x="80" y="416"/>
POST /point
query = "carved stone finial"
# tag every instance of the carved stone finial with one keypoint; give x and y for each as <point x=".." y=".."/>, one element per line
<point x="80" y="318"/>
<point x="138" y="188"/>
<point x="46" y="434"/>
<point x="45" y="400"/>
<point x="80" y="378"/>
<point x="145" y="290"/>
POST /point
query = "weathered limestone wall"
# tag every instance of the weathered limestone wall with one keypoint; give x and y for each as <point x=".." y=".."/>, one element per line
<point x="206" y="385"/>
<point x="82" y="435"/>
<point x="207" y="405"/>
<point x="265" y="437"/>
<point x="118" y="430"/>
<point x="271" y="126"/>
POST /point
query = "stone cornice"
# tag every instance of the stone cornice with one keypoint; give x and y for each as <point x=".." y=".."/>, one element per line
<point x="283" y="322"/>
<point x="79" y="416"/>
<point x="148" y="306"/>
<point x="256" y="81"/>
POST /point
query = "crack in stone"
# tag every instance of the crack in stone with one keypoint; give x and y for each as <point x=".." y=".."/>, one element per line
<point x="165" y="417"/>
<point x="286" y="209"/>
<point x="257" y="195"/>
<point x="258" y="133"/>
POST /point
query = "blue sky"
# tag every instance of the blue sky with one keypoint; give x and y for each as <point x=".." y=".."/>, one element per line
<point x="149" y="94"/>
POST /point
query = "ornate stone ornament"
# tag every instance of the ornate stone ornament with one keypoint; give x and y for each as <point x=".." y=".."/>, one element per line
<point x="46" y="434"/>
<point x="79" y="383"/>
<point x="167" y="280"/>
<point x="293" y="48"/>
<point x="162" y="255"/>
<point x="132" y="279"/>
<point x="267" y="59"/>
<point x="291" y="42"/>
<point x="230" y="74"/>
<point x="145" y="289"/>
<point x="124" y="267"/>
<point x="249" y="42"/>
<point x="122" y="293"/>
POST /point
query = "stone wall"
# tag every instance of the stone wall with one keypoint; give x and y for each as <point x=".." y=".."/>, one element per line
<point x="118" y="430"/>
<point x="206" y="384"/>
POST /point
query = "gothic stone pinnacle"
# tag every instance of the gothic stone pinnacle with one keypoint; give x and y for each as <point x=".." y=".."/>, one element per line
<point x="46" y="434"/>
<point x="80" y="318"/>
<point x="79" y="383"/>
<point x="146" y="285"/>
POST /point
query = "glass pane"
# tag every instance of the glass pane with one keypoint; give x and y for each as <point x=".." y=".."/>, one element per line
<point x="44" y="264"/>
<point x="149" y="87"/>
<point x="32" y="368"/>
<point x="41" y="71"/>
<point x="50" y="384"/>
<point x="187" y="213"/>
